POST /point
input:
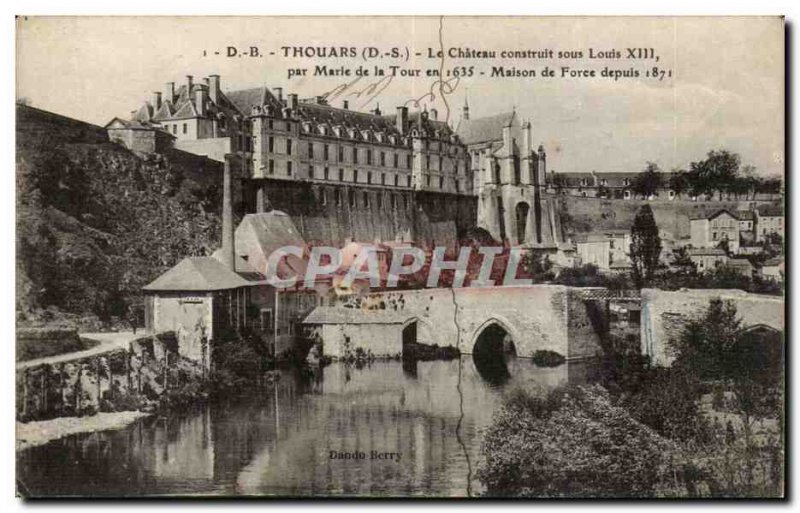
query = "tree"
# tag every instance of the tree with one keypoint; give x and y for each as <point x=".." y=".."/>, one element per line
<point x="647" y="182"/>
<point x="716" y="173"/>
<point x="748" y="362"/>
<point x="704" y="342"/>
<point x="645" y="246"/>
<point x="682" y="263"/>
<point x="679" y="181"/>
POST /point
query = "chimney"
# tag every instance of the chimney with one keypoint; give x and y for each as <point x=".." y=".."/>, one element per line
<point x="169" y="92"/>
<point x="200" y="101"/>
<point x="279" y="93"/>
<point x="345" y="105"/>
<point x="293" y="101"/>
<point x="213" y="88"/>
<point x="156" y="100"/>
<point x="189" y="84"/>
<point x="228" y="249"/>
<point x="402" y="119"/>
<point x="434" y="114"/>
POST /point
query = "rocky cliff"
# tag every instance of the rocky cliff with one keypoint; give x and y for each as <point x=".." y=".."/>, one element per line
<point x="95" y="221"/>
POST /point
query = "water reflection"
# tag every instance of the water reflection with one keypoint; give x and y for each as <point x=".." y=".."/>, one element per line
<point x="385" y="429"/>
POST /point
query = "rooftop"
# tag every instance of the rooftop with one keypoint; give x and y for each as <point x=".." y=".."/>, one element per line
<point x="481" y="130"/>
<point x="197" y="274"/>
<point x="339" y="315"/>
<point x="705" y="252"/>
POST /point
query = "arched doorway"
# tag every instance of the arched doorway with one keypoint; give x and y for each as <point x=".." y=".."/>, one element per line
<point x="491" y="352"/>
<point x="522" y="220"/>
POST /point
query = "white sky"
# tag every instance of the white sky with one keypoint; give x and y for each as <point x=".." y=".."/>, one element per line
<point x="727" y="89"/>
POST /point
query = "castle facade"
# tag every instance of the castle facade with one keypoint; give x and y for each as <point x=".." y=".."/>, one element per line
<point x="482" y="172"/>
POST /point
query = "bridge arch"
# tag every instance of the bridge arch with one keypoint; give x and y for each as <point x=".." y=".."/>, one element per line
<point x="495" y="320"/>
<point x="418" y="330"/>
<point x="492" y="345"/>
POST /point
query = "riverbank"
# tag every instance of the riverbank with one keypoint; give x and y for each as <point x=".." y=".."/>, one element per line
<point x="32" y="434"/>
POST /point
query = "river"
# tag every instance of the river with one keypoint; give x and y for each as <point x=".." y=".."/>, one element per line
<point x="384" y="429"/>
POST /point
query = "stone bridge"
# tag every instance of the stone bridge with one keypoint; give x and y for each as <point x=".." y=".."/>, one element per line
<point x="533" y="317"/>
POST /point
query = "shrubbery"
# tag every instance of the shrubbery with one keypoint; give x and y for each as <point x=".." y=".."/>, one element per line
<point x="572" y="443"/>
<point x="238" y="360"/>
<point x="545" y="358"/>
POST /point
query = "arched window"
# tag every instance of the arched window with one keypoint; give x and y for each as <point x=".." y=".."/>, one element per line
<point x="522" y="220"/>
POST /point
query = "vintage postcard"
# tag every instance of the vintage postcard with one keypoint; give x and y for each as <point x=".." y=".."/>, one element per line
<point x="391" y="257"/>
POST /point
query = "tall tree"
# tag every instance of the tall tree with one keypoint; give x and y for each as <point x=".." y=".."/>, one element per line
<point x="645" y="246"/>
<point x="648" y="181"/>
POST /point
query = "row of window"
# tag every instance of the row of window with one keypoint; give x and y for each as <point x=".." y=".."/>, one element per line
<point x="354" y="155"/>
<point x="435" y="145"/>
<point x="327" y="175"/>
<point x="326" y="154"/>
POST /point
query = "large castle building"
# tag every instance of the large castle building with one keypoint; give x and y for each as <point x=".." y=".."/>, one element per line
<point x="396" y="176"/>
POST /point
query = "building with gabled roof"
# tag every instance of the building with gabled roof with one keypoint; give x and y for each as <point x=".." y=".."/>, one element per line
<point x="774" y="269"/>
<point x="769" y="220"/>
<point x="203" y="297"/>
<point x="741" y="265"/>
<point x="707" y="259"/>
<point x="715" y="230"/>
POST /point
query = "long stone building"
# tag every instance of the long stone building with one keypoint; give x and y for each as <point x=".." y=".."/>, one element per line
<point x="348" y="175"/>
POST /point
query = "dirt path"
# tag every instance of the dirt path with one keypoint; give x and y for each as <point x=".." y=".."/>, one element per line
<point x="108" y="342"/>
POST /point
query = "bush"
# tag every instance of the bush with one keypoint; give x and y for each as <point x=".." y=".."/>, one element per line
<point x="667" y="401"/>
<point x="572" y="443"/>
<point x="238" y="360"/>
<point x="545" y="358"/>
<point x="589" y="275"/>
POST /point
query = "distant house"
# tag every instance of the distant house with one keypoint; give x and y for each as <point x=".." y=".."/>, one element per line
<point x="707" y="259"/>
<point x="747" y="220"/>
<point x="741" y="265"/>
<point x="710" y="231"/>
<point x="774" y="269"/>
<point x="594" y="248"/>
<point x="608" y="185"/>
<point x="751" y="250"/>
<point x="620" y="244"/>
<point x="621" y="267"/>
<point x="138" y="136"/>
<point x="769" y="219"/>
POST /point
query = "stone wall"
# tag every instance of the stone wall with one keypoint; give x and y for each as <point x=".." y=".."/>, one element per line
<point x="538" y="317"/>
<point x="381" y="340"/>
<point x="665" y="313"/>
<point x="333" y="213"/>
